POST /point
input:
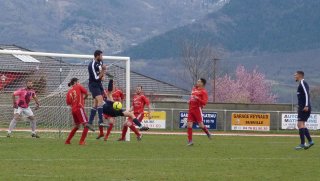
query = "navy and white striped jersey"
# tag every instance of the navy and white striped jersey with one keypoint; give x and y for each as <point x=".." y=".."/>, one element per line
<point x="94" y="69"/>
<point x="303" y="94"/>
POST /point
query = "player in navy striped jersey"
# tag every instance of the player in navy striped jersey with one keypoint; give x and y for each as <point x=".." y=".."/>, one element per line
<point x="304" y="110"/>
<point x="96" y="71"/>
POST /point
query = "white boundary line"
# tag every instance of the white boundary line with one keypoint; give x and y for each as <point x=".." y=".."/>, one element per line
<point x="176" y="133"/>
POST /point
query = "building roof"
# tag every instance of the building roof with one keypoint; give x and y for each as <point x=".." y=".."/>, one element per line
<point x="49" y="68"/>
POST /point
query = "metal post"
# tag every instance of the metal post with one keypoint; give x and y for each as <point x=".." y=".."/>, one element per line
<point x="278" y="120"/>
<point x="214" y="78"/>
<point x="60" y="96"/>
<point x="128" y="92"/>
<point x="225" y="120"/>
<point x="171" y="119"/>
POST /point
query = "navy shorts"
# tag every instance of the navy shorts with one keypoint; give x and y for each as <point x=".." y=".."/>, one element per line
<point x="96" y="89"/>
<point x="303" y="116"/>
<point x="109" y="111"/>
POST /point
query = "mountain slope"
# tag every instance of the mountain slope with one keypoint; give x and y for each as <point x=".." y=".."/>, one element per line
<point x="246" y="26"/>
<point x="82" y="26"/>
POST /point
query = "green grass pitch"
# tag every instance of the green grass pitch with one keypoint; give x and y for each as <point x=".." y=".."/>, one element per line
<point x="158" y="157"/>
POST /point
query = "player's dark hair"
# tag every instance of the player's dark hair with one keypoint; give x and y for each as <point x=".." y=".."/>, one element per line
<point x="97" y="53"/>
<point x="73" y="81"/>
<point x="140" y="86"/>
<point x="204" y="81"/>
<point x="300" y="72"/>
<point x="28" y="80"/>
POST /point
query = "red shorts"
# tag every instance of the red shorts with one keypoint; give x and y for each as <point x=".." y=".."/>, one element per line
<point x="79" y="116"/>
<point x="139" y="116"/>
<point x="106" y="116"/>
<point x="195" y="115"/>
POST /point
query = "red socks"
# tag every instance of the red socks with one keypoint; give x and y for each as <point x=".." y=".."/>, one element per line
<point x="124" y="131"/>
<point x="190" y="134"/>
<point x="205" y="129"/>
<point x="108" y="131"/>
<point x="134" y="129"/>
<point x="72" y="133"/>
<point x="84" y="134"/>
<point x="101" y="130"/>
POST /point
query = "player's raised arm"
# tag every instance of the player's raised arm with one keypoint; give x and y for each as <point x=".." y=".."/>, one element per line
<point x="110" y="90"/>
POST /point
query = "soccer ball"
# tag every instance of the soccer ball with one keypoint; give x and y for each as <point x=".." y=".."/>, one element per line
<point x="117" y="106"/>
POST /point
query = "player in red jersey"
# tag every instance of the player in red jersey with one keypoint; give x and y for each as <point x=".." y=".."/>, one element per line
<point x="21" y="107"/>
<point x="138" y="103"/>
<point x="198" y="99"/>
<point x="118" y="96"/>
<point x="75" y="99"/>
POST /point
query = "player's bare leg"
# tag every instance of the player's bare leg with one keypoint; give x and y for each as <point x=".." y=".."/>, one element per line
<point x="205" y="129"/>
<point x="190" y="125"/>
<point x="13" y="124"/>
<point x="111" y="124"/>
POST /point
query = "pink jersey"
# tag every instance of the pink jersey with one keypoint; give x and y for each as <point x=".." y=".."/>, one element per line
<point x="25" y="96"/>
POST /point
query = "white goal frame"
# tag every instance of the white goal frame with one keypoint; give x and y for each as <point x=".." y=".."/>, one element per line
<point x="81" y="56"/>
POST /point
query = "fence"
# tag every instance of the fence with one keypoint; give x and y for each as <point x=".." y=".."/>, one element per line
<point x="57" y="124"/>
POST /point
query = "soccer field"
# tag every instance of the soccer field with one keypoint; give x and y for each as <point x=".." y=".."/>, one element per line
<point x="158" y="157"/>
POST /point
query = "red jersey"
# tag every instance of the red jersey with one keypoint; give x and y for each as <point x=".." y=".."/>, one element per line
<point x="199" y="98"/>
<point x="117" y="95"/>
<point x="138" y="103"/>
<point x="75" y="97"/>
<point x="25" y="96"/>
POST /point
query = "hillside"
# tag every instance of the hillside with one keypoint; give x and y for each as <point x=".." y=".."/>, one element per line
<point x="244" y="26"/>
<point x="82" y="26"/>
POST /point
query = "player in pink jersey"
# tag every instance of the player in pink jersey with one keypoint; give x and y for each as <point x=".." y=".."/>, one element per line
<point x="21" y="107"/>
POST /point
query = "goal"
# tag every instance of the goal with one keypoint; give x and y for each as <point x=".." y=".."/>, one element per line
<point x="51" y="73"/>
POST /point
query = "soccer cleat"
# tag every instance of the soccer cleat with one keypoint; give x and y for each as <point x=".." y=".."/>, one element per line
<point x="190" y="143"/>
<point x="139" y="138"/>
<point x="90" y="127"/>
<point x="120" y="139"/>
<point x="104" y="125"/>
<point x="144" y="128"/>
<point x="100" y="136"/>
<point x="209" y="136"/>
<point x="309" y="145"/>
<point x="67" y="143"/>
<point x="300" y="147"/>
<point x="34" y="135"/>
<point x="9" y="135"/>
<point x="82" y="143"/>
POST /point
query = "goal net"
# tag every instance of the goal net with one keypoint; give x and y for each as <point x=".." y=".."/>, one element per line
<point x="50" y="73"/>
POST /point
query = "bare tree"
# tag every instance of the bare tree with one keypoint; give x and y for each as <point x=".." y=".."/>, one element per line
<point x="198" y="60"/>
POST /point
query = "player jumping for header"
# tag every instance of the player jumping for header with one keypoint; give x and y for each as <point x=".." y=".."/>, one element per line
<point x="21" y="107"/>
<point x="304" y="110"/>
<point x="198" y="99"/>
<point x="96" y="71"/>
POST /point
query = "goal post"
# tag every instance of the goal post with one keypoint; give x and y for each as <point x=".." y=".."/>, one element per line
<point x="29" y="65"/>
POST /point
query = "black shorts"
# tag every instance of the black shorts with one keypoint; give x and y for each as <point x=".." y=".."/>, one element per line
<point x="303" y="116"/>
<point x="96" y="89"/>
<point x="109" y="111"/>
